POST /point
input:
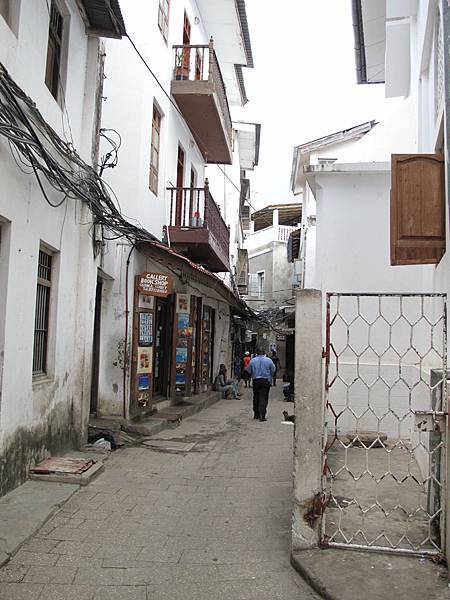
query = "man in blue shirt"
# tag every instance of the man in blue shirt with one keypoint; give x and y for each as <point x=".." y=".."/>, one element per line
<point x="262" y="371"/>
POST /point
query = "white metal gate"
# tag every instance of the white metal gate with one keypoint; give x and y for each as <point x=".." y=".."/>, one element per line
<point x="384" y="451"/>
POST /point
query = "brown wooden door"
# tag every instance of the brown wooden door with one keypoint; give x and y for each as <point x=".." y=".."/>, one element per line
<point x="180" y="181"/>
<point x="186" y="51"/>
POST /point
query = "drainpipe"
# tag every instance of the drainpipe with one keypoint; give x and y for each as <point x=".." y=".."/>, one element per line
<point x="125" y="350"/>
<point x="445" y="11"/>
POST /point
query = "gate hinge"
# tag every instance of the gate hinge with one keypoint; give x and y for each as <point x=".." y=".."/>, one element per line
<point x="324" y="353"/>
<point x="317" y="507"/>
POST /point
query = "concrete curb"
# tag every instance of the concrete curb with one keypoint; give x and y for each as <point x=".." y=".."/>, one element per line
<point x="314" y="582"/>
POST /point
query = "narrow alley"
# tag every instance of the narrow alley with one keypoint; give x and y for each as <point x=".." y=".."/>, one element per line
<point x="206" y="515"/>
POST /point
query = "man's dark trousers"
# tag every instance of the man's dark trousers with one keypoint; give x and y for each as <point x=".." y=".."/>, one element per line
<point x="261" y="388"/>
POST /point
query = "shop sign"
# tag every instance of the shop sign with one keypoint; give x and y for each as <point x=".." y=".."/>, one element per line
<point x="155" y="284"/>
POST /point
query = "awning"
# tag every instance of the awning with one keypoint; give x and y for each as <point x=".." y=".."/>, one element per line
<point x="189" y="270"/>
<point x="104" y="18"/>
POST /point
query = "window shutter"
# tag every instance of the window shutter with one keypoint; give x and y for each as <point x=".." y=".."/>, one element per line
<point x="417" y="209"/>
<point x="242" y="271"/>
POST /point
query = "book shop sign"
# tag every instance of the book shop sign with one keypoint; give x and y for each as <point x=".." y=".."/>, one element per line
<point x="155" y="284"/>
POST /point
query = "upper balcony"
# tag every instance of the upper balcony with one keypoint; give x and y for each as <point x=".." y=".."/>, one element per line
<point x="199" y="91"/>
<point x="196" y="228"/>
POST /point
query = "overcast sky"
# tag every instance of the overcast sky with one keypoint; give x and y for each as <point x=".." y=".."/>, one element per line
<point x="303" y="85"/>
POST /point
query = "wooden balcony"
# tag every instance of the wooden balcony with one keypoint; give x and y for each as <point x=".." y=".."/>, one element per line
<point x="196" y="228"/>
<point x="199" y="91"/>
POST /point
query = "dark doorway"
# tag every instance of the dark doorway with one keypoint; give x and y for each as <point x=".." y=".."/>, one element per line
<point x="96" y="346"/>
<point x="180" y="180"/>
<point x="162" y="345"/>
<point x="196" y="303"/>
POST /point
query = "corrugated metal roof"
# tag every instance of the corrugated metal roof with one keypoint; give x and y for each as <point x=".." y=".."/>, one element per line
<point x="104" y="17"/>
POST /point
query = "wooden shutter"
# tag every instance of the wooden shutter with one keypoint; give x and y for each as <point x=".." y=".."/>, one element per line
<point x="417" y="209"/>
<point x="242" y="271"/>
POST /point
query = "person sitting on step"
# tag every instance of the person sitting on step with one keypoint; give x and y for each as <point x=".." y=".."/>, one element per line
<point x="228" y="387"/>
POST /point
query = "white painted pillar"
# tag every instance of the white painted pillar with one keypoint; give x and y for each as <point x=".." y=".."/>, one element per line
<point x="308" y="417"/>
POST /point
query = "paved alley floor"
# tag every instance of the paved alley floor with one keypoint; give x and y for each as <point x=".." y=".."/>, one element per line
<point x="204" y="516"/>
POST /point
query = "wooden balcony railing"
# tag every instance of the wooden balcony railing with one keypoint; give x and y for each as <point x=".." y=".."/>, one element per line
<point x="193" y="210"/>
<point x="199" y="63"/>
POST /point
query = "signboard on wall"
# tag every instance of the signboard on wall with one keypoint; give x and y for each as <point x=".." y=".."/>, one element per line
<point x="155" y="284"/>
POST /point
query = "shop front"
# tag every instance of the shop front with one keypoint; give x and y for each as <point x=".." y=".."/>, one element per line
<point x="182" y="329"/>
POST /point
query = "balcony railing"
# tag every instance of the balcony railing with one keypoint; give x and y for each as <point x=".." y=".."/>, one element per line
<point x="199" y="63"/>
<point x="195" y="221"/>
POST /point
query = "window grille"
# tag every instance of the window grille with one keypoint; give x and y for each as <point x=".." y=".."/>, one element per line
<point x="163" y="18"/>
<point x="55" y="32"/>
<point x="41" y="320"/>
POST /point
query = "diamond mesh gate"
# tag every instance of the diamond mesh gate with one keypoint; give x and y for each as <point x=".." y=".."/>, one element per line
<point x="384" y="451"/>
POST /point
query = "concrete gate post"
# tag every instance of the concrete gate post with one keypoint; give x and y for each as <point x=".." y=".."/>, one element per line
<point x="308" y="419"/>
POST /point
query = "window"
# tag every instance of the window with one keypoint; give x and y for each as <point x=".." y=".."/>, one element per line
<point x="41" y="319"/>
<point x="54" y="50"/>
<point x="163" y="18"/>
<point x="154" y="152"/>
<point x="261" y="276"/>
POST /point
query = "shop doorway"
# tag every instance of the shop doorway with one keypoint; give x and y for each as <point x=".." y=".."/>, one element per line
<point x="162" y="354"/>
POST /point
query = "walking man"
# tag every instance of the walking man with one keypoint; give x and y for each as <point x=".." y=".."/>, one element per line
<point x="262" y="370"/>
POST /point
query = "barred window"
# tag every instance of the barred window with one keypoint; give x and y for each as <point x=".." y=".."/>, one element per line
<point x="154" y="152"/>
<point x="163" y="18"/>
<point x="41" y="320"/>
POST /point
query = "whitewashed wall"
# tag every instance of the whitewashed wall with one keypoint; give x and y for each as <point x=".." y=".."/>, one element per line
<point x="36" y="417"/>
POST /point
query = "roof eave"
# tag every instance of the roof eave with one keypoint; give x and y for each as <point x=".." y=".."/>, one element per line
<point x="242" y="14"/>
<point x="358" y="32"/>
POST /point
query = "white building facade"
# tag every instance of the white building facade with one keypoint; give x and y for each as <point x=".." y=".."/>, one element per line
<point x="378" y="207"/>
<point x="110" y="235"/>
<point x="179" y="148"/>
<point x="47" y="264"/>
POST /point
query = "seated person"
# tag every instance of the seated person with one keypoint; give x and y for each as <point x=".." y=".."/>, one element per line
<point x="228" y="387"/>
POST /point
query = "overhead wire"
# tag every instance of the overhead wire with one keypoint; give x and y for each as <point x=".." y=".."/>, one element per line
<point x="36" y="145"/>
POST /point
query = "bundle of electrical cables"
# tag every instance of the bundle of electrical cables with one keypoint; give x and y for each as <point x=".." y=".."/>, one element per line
<point x="38" y="150"/>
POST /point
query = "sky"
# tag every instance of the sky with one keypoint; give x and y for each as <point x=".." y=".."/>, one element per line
<point x="303" y="85"/>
